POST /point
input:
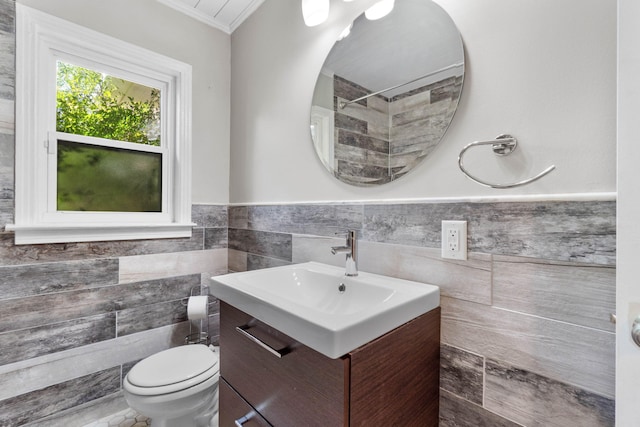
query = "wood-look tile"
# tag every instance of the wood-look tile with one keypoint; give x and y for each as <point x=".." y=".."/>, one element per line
<point x="6" y="212"/>
<point x="7" y="16"/>
<point x="318" y="249"/>
<point x="342" y="121"/>
<point x="346" y="89"/>
<point x="469" y="280"/>
<point x="85" y="414"/>
<point x="269" y="244"/>
<point x="31" y="254"/>
<point x="210" y="216"/>
<point x="462" y="373"/>
<point x="38" y="404"/>
<point x="457" y="412"/>
<point x="238" y="217"/>
<point x="361" y="157"/>
<point x="45" y="309"/>
<point x="7" y="116"/>
<point x="401" y="104"/>
<point x="576" y="293"/>
<point x="43" y="371"/>
<point x="150" y="316"/>
<point x="584" y="357"/>
<point x="7" y="157"/>
<point x="36" y="279"/>
<point x="365" y="142"/>
<point x="532" y="399"/>
<point x="156" y="266"/>
<point x="215" y="238"/>
<point x="563" y="231"/>
<point x="7" y="50"/>
<point x="257" y="262"/>
<point x="362" y="173"/>
<point x="318" y="219"/>
<point x="237" y="260"/>
<point x="32" y="342"/>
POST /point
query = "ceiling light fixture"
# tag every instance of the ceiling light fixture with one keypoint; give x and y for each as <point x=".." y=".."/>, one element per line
<point x="315" y="12"/>
<point x="379" y="10"/>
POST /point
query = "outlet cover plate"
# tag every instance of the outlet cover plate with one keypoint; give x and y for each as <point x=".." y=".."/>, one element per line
<point x="454" y="240"/>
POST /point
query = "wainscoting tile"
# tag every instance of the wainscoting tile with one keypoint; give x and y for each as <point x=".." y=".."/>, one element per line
<point x="317" y="219"/>
<point x="7" y="16"/>
<point x="576" y="293"/>
<point x="317" y="248"/>
<point x="469" y="280"/>
<point x="43" y="371"/>
<point x="7" y="116"/>
<point x="269" y="244"/>
<point x="210" y="216"/>
<point x="238" y="217"/>
<point x="457" y="412"/>
<point x="584" y="357"/>
<point x="563" y="231"/>
<point x="35" y="311"/>
<point x="237" y="261"/>
<point x="7" y="49"/>
<point x="22" y="409"/>
<point x="462" y="373"/>
<point x="86" y="414"/>
<point x="215" y="238"/>
<point x="7" y="64"/>
<point x="30" y="254"/>
<point x="147" y="267"/>
<point x="28" y="343"/>
<point x="38" y="279"/>
<point x="532" y="399"/>
<point x="6" y="213"/>
<point x="7" y="157"/>
<point x="257" y="262"/>
<point x="149" y="316"/>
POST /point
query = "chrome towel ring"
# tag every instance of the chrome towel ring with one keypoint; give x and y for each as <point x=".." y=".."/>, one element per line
<point x="503" y="145"/>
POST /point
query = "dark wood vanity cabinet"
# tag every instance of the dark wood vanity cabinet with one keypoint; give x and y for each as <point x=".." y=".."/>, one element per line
<point x="392" y="380"/>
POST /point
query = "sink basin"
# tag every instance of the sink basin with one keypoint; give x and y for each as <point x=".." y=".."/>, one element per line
<point x="317" y="305"/>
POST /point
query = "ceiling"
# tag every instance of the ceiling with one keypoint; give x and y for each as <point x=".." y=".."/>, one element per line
<point x="225" y="15"/>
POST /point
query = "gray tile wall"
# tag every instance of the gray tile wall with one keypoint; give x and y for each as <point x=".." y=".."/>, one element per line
<point x="379" y="139"/>
<point x="526" y="337"/>
<point x="75" y="316"/>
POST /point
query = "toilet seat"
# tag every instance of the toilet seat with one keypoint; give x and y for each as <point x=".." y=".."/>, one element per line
<point x="172" y="370"/>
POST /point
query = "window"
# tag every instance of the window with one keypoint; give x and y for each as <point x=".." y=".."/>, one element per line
<point x="103" y="134"/>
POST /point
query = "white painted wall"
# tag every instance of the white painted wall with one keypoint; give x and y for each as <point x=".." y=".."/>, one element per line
<point x="542" y="70"/>
<point x="156" y="27"/>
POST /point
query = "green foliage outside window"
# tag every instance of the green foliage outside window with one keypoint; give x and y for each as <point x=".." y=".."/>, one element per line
<point x="90" y="103"/>
<point x="102" y="178"/>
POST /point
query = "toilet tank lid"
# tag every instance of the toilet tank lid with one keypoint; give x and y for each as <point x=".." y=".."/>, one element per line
<point x="173" y="366"/>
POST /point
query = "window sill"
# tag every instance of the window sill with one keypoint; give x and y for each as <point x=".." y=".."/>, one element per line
<point x="66" y="233"/>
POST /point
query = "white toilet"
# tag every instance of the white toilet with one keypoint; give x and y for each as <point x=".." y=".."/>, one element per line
<point x="177" y="387"/>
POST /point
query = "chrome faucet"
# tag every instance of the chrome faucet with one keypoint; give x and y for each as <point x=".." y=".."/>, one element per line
<point x="350" y="249"/>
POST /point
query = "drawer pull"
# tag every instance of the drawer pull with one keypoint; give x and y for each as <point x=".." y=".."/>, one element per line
<point x="243" y="331"/>
<point x="240" y="421"/>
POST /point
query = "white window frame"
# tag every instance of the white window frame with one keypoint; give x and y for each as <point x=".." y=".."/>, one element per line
<point x="41" y="40"/>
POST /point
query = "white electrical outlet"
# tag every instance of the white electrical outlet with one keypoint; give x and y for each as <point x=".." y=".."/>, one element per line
<point x="454" y="239"/>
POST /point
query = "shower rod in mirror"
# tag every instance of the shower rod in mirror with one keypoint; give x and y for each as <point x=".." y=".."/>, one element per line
<point x="343" y="104"/>
<point x="503" y="145"/>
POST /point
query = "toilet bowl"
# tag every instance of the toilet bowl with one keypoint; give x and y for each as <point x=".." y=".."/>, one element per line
<point x="176" y="387"/>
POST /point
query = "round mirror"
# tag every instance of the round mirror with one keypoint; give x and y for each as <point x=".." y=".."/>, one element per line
<point x="387" y="93"/>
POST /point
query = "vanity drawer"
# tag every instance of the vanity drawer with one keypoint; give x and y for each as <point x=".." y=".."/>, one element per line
<point x="236" y="408"/>
<point x="318" y="384"/>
